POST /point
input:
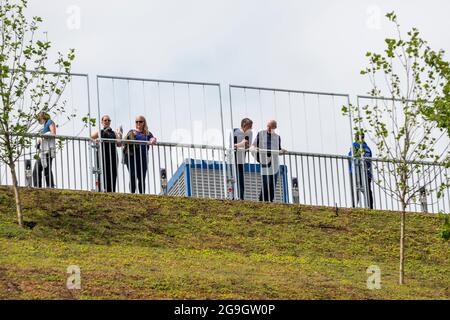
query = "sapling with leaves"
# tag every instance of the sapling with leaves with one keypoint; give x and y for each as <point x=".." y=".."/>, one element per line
<point x="408" y="123"/>
<point x="26" y="86"/>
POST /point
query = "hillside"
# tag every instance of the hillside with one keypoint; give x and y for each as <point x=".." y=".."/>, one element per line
<point x="147" y="247"/>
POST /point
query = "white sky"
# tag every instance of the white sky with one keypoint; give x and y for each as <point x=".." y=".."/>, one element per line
<point x="305" y="45"/>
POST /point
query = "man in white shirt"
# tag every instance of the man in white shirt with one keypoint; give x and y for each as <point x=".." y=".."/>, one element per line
<point x="266" y="149"/>
<point x="241" y="142"/>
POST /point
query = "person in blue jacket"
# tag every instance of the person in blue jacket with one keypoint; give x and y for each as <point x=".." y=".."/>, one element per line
<point x="362" y="172"/>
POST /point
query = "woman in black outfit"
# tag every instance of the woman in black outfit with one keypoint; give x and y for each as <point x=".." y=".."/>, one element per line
<point x="109" y="153"/>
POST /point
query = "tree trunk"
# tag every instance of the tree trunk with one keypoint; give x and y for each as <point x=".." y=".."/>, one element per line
<point x="15" y="187"/>
<point x="402" y="245"/>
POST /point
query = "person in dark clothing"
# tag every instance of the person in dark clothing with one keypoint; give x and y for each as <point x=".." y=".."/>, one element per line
<point x="136" y="154"/>
<point x="241" y="142"/>
<point x="108" y="153"/>
<point x="46" y="150"/>
<point x="265" y="142"/>
<point x="39" y="169"/>
<point x="363" y="169"/>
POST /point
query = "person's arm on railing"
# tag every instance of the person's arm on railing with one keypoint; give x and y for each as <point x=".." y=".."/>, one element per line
<point x="119" y="136"/>
<point x="124" y="144"/>
<point x="95" y="135"/>
<point x="242" y="145"/>
<point x="152" y="141"/>
<point x="282" y="151"/>
<point x="53" y="129"/>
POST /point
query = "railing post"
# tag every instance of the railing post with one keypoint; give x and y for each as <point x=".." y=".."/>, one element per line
<point x="99" y="147"/>
<point x="295" y="191"/>
<point x="163" y="177"/>
<point x="96" y="170"/>
<point x="229" y="169"/>
<point x="365" y="182"/>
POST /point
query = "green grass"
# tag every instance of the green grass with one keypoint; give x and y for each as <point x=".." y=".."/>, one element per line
<point x="148" y="247"/>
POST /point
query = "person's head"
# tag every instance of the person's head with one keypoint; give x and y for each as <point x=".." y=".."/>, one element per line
<point x="43" y="117"/>
<point x="359" y="137"/>
<point x="141" y="124"/>
<point x="246" y="124"/>
<point x="106" y="121"/>
<point x="271" y="125"/>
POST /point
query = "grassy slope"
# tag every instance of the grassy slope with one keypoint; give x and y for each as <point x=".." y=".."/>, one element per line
<point x="143" y="247"/>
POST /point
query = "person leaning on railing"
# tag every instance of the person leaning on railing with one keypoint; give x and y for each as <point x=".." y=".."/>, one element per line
<point x="46" y="147"/>
<point x="266" y="149"/>
<point x="242" y="138"/>
<point x="135" y="154"/>
<point x="108" y="153"/>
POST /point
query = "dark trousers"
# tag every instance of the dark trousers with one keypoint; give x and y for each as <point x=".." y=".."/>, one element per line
<point x="108" y="155"/>
<point x="240" y="181"/>
<point x="137" y="166"/>
<point x="269" y="183"/>
<point x="370" y="194"/>
<point x="48" y="174"/>
<point x="109" y="174"/>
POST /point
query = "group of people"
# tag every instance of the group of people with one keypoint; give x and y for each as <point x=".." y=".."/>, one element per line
<point x="265" y="148"/>
<point x="135" y="156"/>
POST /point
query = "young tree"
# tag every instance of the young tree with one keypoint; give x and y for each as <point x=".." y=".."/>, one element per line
<point x="404" y="127"/>
<point x="26" y="88"/>
<point x="439" y="111"/>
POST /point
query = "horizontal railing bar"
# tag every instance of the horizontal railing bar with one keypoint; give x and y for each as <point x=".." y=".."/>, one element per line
<point x="164" y="144"/>
<point x="38" y="135"/>
<point x="55" y="73"/>
<point x="334" y="156"/>
<point x="387" y="99"/>
<point x="290" y="91"/>
<point x="401" y="162"/>
<point x="309" y="154"/>
<point x="202" y="146"/>
<point x="158" y="80"/>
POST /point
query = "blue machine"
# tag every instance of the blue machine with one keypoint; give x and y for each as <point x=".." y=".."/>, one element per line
<point x="207" y="179"/>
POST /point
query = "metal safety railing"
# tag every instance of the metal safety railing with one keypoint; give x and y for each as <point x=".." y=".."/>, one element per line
<point x="62" y="162"/>
<point x="74" y="99"/>
<point x="310" y="121"/>
<point x="203" y="171"/>
<point x="192" y="107"/>
<point x="424" y="180"/>
<point x="163" y="169"/>
<point x="194" y="111"/>
<point x="74" y="163"/>
<point x="421" y="180"/>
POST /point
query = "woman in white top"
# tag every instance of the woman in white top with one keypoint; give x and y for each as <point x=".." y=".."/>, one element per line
<point x="46" y="147"/>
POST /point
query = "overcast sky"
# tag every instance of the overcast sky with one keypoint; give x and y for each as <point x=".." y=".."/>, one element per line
<point x="306" y="45"/>
<point x="317" y="45"/>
